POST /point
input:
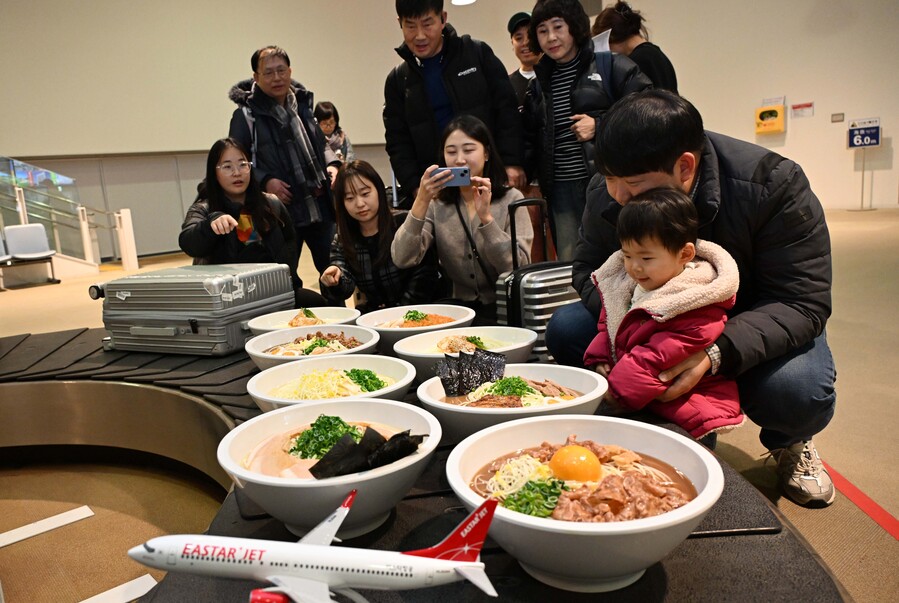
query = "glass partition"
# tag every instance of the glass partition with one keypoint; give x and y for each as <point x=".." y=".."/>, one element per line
<point x="51" y="199"/>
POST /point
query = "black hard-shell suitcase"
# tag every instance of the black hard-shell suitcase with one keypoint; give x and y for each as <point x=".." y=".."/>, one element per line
<point x="527" y="296"/>
<point x="200" y="310"/>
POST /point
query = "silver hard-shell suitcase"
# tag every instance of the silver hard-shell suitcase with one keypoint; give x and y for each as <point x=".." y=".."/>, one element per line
<point x="200" y="310"/>
<point x="528" y="296"/>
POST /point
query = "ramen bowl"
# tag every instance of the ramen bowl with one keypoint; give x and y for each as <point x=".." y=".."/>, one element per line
<point x="260" y="386"/>
<point x="331" y="315"/>
<point x="462" y="317"/>
<point x="421" y="350"/>
<point x="588" y="557"/>
<point x="461" y="421"/>
<point x="256" y="346"/>
<point x="302" y="503"/>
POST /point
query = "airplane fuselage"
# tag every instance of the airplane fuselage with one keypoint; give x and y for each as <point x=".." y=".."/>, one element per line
<point x="338" y="567"/>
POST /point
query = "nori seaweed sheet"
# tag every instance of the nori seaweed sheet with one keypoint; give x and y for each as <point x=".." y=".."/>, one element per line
<point x="448" y="371"/>
<point x="493" y="365"/>
<point x="469" y="373"/>
<point x="400" y="445"/>
<point x="346" y="456"/>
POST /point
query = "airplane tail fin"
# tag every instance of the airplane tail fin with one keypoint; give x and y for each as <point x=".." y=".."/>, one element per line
<point x="466" y="541"/>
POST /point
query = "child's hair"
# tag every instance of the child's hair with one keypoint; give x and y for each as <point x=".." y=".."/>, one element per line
<point x="254" y="201"/>
<point x="347" y="226"/>
<point x="326" y="110"/>
<point x="494" y="168"/>
<point x="664" y="214"/>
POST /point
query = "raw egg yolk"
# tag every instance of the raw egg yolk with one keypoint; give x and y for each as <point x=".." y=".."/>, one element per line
<point x="575" y="463"/>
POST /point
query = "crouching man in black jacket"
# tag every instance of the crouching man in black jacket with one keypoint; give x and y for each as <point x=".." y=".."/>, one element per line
<point x="759" y="206"/>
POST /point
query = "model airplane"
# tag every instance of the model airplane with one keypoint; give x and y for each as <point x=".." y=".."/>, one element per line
<point x="307" y="571"/>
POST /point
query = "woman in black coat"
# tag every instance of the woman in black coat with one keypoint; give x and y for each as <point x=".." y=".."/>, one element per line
<point x="233" y="222"/>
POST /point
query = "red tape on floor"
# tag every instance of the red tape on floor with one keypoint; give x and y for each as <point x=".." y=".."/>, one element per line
<point x="864" y="502"/>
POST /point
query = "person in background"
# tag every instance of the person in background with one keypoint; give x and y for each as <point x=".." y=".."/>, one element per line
<point x="665" y="296"/>
<point x="360" y="253"/>
<point x="520" y="78"/>
<point x="444" y="75"/>
<point x="629" y="37"/>
<point x="329" y="121"/>
<point x="233" y="222"/>
<point x="469" y="225"/>
<point x="527" y="58"/>
<point x="758" y="206"/>
<point x="274" y="122"/>
<point x="564" y="105"/>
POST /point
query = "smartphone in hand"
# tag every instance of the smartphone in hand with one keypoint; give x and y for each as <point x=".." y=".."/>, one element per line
<point x="461" y="176"/>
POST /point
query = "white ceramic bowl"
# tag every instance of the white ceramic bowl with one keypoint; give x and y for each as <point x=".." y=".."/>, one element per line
<point x="461" y="421"/>
<point x="279" y="320"/>
<point x="515" y="343"/>
<point x="390" y="335"/>
<point x="588" y="557"/>
<point x="256" y="346"/>
<point x="261" y="384"/>
<point x="303" y="503"/>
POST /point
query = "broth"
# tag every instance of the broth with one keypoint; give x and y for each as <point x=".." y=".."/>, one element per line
<point x="632" y="494"/>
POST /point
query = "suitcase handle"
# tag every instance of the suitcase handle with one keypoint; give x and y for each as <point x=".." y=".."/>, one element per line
<point x="514" y="205"/>
<point x="153" y="331"/>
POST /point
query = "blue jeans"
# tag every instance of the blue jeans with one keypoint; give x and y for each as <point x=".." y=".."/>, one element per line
<point x="570" y="330"/>
<point x="792" y="397"/>
<point x="566" y="209"/>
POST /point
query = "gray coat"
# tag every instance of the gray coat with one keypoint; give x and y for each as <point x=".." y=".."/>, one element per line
<point x="442" y="227"/>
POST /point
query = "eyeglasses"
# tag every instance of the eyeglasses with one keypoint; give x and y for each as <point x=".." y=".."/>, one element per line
<point x="234" y="168"/>
<point x="270" y="73"/>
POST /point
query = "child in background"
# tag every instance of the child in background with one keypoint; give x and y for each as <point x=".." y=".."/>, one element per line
<point x="329" y="122"/>
<point x="665" y="296"/>
<point x="360" y="252"/>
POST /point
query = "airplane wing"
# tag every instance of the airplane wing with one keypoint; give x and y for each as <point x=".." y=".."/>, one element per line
<point x="323" y="534"/>
<point x="301" y="590"/>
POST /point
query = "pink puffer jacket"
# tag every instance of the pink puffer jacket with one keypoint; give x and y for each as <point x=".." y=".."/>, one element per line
<point x="682" y="317"/>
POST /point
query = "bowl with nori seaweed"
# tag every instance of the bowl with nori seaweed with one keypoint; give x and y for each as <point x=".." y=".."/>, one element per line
<point x="330" y="377"/>
<point x="302" y="502"/>
<point x="460" y="419"/>
<point x="426" y="349"/>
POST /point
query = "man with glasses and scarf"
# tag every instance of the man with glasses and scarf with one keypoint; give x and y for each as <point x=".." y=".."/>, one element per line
<point x="274" y="121"/>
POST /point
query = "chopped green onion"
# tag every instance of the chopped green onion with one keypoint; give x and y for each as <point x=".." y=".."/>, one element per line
<point x="321" y="437"/>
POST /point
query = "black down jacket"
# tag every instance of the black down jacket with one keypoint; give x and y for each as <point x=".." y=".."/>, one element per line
<point x="477" y="84"/>
<point x="588" y="96"/>
<point x="760" y="207"/>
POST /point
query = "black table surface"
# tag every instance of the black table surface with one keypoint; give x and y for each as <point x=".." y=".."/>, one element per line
<point x="744" y="550"/>
<point x="740" y="552"/>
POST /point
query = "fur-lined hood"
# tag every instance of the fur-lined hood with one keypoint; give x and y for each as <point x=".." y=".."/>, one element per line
<point x="711" y="278"/>
<point x="241" y="92"/>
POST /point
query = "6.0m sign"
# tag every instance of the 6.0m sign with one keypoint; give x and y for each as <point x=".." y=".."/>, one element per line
<point x="864" y="133"/>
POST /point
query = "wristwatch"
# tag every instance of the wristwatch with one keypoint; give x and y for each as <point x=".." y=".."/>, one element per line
<point x="714" y="354"/>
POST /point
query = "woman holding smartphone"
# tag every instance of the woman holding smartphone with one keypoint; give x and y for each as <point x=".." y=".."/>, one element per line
<point x="469" y="224"/>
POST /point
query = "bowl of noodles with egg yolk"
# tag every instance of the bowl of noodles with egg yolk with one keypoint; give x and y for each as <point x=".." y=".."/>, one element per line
<point x="591" y="547"/>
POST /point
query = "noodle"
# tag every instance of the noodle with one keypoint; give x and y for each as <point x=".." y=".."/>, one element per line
<point x="320" y="385"/>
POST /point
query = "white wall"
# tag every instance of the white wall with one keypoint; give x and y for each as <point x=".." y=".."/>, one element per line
<point x="110" y="77"/>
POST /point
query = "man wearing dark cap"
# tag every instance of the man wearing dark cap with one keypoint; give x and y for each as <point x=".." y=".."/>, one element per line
<point x="518" y="29"/>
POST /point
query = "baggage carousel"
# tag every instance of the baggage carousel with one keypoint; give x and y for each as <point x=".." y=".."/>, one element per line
<point x="63" y="388"/>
